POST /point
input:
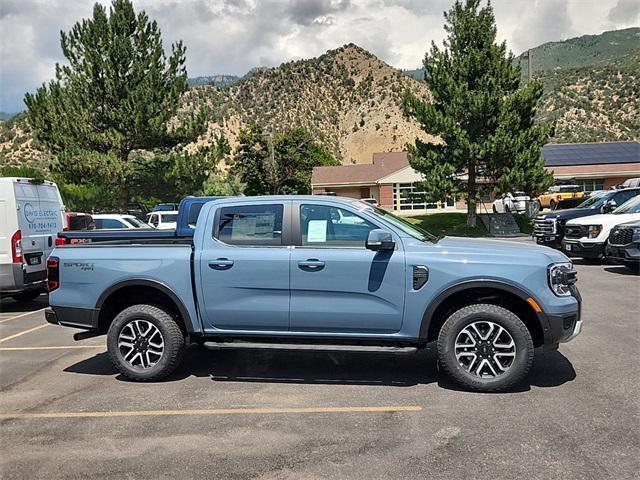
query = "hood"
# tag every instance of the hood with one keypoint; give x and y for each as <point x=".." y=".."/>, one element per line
<point x="606" y="219"/>
<point x="503" y="250"/>
<point x="569" y="213"/>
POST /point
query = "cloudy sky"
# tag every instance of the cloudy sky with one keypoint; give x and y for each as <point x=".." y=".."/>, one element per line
<point x="232" y="36"/>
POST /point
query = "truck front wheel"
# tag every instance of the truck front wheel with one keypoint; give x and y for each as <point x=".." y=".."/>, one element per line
<point x="485" y="348"/>
<point x="145" y="343"/>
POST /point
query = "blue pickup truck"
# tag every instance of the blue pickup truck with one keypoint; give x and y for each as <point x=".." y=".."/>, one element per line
<point x="318" y="270"/>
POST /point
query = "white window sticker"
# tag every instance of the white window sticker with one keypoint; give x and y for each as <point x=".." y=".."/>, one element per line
<point x="317" y="231"/>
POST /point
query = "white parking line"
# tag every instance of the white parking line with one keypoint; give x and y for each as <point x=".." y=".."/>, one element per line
<point x="56" y="347"/>
<point x="19" y="334"/>
<point x="21" y="315"/>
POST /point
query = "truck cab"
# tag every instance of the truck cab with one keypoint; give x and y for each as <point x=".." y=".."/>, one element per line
<point x="290" y="269"/>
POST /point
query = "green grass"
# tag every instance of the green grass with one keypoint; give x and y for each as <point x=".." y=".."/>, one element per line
<point x="454" y="224"/>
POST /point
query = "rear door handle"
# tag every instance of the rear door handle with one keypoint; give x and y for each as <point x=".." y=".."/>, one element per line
<point x="311" y="265"/>
<point x="221" y="264"/>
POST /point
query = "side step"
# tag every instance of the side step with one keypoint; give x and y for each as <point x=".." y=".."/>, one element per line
<point x="294" y="347"/>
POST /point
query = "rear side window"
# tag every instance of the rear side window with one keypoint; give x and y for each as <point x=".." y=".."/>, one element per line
<point x="104" y="223"/>
<point x="622" y="197"/>
<point x="194" y="211"/>
<point x="252" y="225"/>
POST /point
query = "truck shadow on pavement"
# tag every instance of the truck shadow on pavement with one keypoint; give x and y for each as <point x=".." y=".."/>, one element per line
<point x="9" y="305"/>
<point x="550" y="369"/>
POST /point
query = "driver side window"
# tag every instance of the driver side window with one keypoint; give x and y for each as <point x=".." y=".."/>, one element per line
<point x="324" y="226"/>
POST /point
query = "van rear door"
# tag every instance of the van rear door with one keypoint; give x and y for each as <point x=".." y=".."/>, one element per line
<point x="40" y="219"/>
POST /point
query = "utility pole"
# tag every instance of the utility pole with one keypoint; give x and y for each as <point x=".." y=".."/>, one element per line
<point x="529" y="72"/>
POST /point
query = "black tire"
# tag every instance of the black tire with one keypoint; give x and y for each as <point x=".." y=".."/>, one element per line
<point x="172" y="336"/>
<point x="464" y="317"/>
<point x="507" y="209"/>
<point x="634" y="267"/>
<point x="27" y="296"/>
<point x="495" y="210"/>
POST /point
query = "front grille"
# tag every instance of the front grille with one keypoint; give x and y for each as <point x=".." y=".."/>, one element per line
<point x="621" y="236"/>
<point x="574" y="231"/>
<point x="542" y="227"/>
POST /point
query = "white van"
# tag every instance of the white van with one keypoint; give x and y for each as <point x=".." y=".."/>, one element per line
<point x="31" y="215"/>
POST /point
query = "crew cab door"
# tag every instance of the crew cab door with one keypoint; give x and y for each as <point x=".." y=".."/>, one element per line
<point x="337" y="285"/>
<point x="244" y="267"/>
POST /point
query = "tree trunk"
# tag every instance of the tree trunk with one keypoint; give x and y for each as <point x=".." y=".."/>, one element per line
<point x="123" y="198"/>
<point x="471" y="196"/>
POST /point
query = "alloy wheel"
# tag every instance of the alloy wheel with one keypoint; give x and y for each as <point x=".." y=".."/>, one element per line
<point x="141" y="344"/>
<point x="485" y="349"/>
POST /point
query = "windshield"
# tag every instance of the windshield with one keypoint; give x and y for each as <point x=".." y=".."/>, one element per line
<point x="135" y="222"/>
<point x="169" y="217"/>
<point x="407" y="227"/>
<point x="519" y="194"/>
<point x="594" y="201"/>
<point x="631" y="206"/>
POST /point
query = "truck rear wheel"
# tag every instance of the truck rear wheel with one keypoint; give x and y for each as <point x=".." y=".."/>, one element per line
<point x="145" y="343"/>
<point x="485" y="348"/>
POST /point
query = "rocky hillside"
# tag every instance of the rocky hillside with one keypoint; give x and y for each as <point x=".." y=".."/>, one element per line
<point x="347" y="98"/>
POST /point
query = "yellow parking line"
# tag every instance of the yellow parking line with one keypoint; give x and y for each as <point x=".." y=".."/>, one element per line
<point x="56" y="347"/>
<point x="20" y="316"/>
<point x="215" y="411"/>
<point x="19" y="334"/>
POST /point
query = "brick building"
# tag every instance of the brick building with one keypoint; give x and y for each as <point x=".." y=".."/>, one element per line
<point x="391" y="180"/>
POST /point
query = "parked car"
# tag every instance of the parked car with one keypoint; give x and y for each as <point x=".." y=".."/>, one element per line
<point x="560" y="194"/>
<point x="113" y="221"/>
<point x="631" y="182"/>
<point x="188" y="214"/>
<point x="165" y="207"/>
<point x="549" y="226"/>
<point x="587" y="237"/>
<point x="163" y="220"/>
<point x="78" y="221"/>
<point x="624" y="244"/>
<point x="511" y="202"/>
<point x="31" y="215"/>
<point x="383" y="282"/>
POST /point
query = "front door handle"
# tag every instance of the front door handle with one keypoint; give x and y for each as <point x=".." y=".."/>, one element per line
<point x="311" y="265"/>
<point x="221" y="264"/>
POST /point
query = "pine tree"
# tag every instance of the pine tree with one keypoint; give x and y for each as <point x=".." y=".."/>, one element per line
<point x="116" y="93"/>
<point x="481" y="113"/>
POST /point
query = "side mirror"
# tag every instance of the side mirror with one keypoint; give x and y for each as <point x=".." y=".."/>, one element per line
<point x="380" y="240"/>
<point x="609" y="206"/>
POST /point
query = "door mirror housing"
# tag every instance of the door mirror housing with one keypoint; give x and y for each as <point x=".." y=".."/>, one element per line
<point x="609" y="206"/>
<point x="380" y="240"/>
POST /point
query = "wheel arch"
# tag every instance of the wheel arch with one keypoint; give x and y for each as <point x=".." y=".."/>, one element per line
<point x="129" y="292"/>
<point x="490" y="291"/>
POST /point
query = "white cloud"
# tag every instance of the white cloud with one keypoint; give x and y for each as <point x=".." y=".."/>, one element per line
<point x="232" y="36"/>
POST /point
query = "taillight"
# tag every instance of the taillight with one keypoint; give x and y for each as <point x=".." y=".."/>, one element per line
<point x="16" y="247"/>
<point x="53" y="273"/>
<point x="559" y="197"/>
<point x="60" y="241"/>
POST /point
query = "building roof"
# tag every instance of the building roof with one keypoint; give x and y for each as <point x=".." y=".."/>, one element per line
<point x="363" y="173"/>
<point x="568" y="154"/>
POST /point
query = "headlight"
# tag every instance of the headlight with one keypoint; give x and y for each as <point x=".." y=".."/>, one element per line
<point x="636" y="235"/>
<point x="593" y="231"/>
<point x="561" y="277"/>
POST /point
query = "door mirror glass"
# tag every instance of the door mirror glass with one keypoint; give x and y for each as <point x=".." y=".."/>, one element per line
<point x="380" y="240"/>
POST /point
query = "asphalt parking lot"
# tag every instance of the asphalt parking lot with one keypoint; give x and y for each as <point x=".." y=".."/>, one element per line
<point x="66" y="413"/>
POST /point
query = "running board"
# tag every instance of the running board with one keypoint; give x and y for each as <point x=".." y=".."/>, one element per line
<point x="304" y="347"/>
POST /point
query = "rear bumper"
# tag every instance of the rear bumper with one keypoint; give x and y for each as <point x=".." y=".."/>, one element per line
<point x="626" y="253"/>
<point x="13" y="279"/>
<point x="576" y="248"/>
<point x="85" y="318"/>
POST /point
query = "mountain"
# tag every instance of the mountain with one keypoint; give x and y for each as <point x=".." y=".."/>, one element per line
<point x="4" y="116"/>
<point x="347" y="98"/>
<point x="216" y="80"/>
<point x="351" y="101"/>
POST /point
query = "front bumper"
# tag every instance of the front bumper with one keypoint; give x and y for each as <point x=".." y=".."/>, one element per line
<point x="564" y="327"/>
<point x="576" y="248"/>
<point x="553" y="241"/>
<point x="626" y="253"/>
<point x="85" y="318"/>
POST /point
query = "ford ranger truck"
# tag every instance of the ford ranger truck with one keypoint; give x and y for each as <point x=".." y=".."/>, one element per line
<point x="320" y="270"/>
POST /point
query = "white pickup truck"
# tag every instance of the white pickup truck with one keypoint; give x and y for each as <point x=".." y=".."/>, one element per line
<point x="586" y="237"/>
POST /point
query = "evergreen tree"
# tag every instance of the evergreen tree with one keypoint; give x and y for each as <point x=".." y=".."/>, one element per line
<point x="117" y="93"/>
<point x="480" y="111"/>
